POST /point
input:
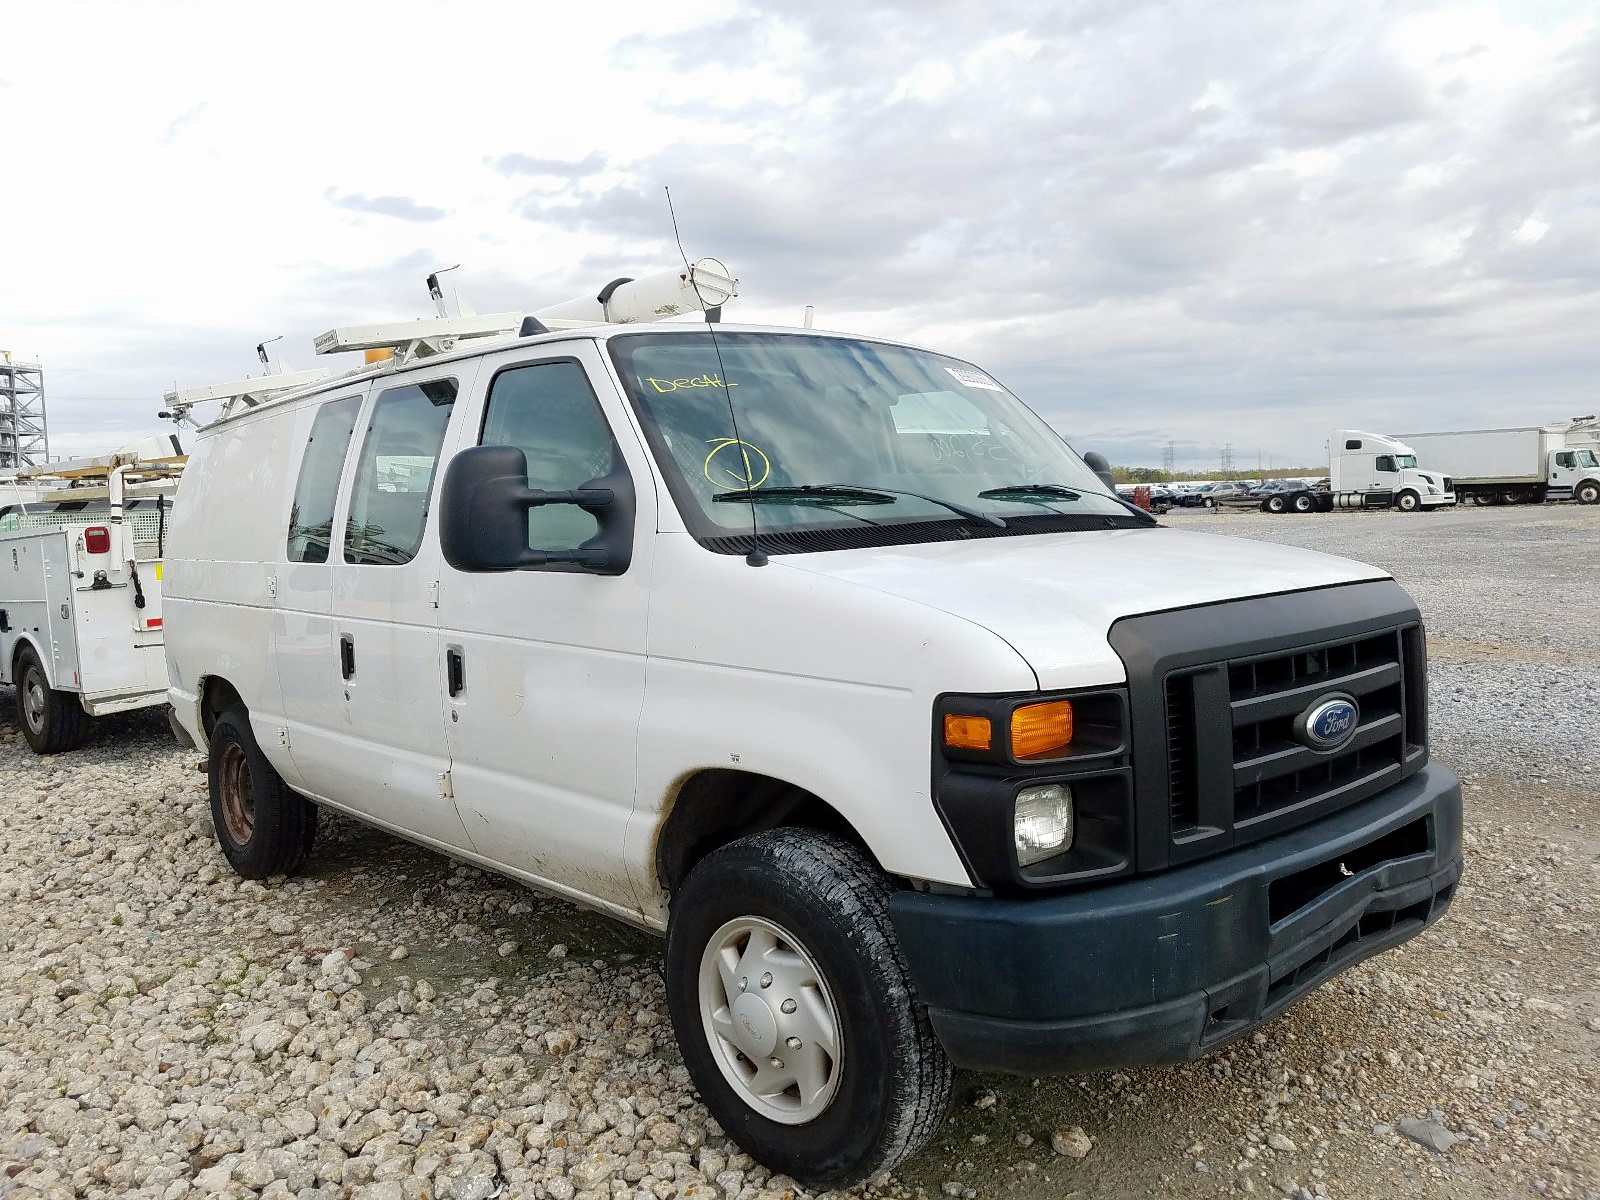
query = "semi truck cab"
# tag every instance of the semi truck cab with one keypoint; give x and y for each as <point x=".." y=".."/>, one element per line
<point x="1368" y="470"/>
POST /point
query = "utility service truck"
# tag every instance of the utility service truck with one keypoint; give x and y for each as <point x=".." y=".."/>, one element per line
<point x="827" y="658"/>
<point x="1514" y="466"/>
<point x="81" y="545"/>
<point x="1368" y="470"/>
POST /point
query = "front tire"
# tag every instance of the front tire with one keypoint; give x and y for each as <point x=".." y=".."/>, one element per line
<point x="263" y="826"/>
<point x="1408" y="502"/>
<point x="794" y="1009"/>
<point x="1587" y="492"/>
<point x="52" y="721"/>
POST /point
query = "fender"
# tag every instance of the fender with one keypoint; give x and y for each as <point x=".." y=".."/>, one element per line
<point x="46" y="659"/>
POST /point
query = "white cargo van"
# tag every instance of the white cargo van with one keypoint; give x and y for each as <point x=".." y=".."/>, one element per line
<point x="828" y="658"/>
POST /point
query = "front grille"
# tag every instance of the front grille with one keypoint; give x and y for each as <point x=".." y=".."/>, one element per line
<point x="1233" y="761"/>
<point x="1272" y="770"/>
<point x="1214" y="691"/>
<point x="1182" y="793"/>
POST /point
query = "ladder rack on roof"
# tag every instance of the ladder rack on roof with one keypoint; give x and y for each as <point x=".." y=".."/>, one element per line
<point x="703" y="287"/>
<point x="245" y="393"/>
<point x="155" y="456"/>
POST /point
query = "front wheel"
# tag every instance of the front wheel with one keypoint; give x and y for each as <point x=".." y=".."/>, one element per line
<point x="794" y="1009"/>
<point x="1587" y="492"/>
<point x="263" y="826"/>
<point x="52" y="721"/>
<point x="1408" y="502"/>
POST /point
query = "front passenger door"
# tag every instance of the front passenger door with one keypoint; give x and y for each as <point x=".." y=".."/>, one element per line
<point x="545" y="666"/>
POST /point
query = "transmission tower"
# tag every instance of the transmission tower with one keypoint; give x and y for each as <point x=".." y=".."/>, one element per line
<point x="1227" y="458"/>
<point x="1168" y="457"/>
<point x="23" y="437"/>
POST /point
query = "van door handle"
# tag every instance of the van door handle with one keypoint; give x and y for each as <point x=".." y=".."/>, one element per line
<point x="347" y="655"/>
<point x="455" y="670"/>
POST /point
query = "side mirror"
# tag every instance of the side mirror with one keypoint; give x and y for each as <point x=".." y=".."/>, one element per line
<point x="1097" y="463"/>
<point x="483" y="515"/>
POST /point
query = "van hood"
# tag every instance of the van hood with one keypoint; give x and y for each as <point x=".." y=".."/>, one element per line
<point x="1054" y="597"/>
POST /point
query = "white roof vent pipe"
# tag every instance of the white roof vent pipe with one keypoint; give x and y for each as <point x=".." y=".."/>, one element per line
<point x="701" y="287"/>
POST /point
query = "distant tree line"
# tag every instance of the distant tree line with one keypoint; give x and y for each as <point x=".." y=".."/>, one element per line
<point x="1157" y="475"/>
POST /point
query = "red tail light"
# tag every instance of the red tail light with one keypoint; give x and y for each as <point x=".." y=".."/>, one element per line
<point x="97" y="539"/>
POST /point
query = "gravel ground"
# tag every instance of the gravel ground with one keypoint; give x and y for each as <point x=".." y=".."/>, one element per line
<point x="393" y="1025"/>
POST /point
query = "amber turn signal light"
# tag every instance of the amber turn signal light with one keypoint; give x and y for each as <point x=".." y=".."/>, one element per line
<point x="967" y="733"/>
<point x="1038" y="729"/>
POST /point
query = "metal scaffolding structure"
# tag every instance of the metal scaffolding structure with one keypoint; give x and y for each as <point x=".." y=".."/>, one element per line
<point x="24" y="437"/>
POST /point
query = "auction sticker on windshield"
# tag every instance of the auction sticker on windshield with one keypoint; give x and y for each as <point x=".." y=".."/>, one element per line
<point x="975" y="379"/>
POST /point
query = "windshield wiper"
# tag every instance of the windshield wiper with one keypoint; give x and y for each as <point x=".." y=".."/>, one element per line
<point x="821" y="494"/>
<point x="824" y="494"/>
<point x="1044" y="493"/>
<point x="1032" y="491"/>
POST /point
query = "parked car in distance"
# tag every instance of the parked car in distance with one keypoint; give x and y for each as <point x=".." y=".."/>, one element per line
<point x="1231" y="494"/>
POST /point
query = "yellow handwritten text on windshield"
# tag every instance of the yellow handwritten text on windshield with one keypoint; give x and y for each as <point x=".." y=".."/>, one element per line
<point x="699" y="381"/>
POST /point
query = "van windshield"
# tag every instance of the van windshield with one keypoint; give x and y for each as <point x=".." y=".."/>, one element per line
<point x="842" y="442"/>
<point x="1405" y="462"/>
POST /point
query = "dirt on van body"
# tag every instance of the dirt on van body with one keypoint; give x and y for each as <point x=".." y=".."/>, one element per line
<point x="393" y="1025"/>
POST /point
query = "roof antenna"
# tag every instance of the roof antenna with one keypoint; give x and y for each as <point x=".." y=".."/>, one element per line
<point x="756" y="558"/>
<point x="261" y="351"/>
<point x="436" y="292"/>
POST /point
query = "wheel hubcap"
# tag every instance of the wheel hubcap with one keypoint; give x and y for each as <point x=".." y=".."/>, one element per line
<point x="770" y="1020"/>
<point x="33" y="701"/>
<point x="238" y="807"/>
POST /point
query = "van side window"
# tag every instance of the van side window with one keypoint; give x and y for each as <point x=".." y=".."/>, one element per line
<point x="389" y="501"/>
<point x="1566" y="459"/>
<point x="311" y="518"/>
<point x="1386" y="462"/>
<point x="549" y="412"/>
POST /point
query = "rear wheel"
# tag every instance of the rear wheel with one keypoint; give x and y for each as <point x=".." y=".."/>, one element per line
<point x="52" y="721"/>
<point x="263" y="826"/>
<point x="794" y="1009"/>
<point x="1304" y="503"/>
<point x="1276" y="504"/>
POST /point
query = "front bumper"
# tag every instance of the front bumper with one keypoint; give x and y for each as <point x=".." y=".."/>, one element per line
<point x="1168" y="967"/>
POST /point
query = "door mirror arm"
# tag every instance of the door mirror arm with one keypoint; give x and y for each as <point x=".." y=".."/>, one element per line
<point x="483" y="518"/>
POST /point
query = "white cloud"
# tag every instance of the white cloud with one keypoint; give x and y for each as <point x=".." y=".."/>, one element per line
<point x="1232" y="224"/>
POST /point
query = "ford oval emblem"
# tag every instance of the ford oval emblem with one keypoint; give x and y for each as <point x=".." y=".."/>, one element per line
<point x="1329" y="723"/>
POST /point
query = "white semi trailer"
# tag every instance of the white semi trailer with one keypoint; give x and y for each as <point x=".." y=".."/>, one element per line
<point x="1368" y="470"/>
<point x="1514" y="466"/>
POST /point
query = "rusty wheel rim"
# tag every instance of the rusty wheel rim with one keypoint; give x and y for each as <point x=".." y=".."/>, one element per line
<point x="238" y="805"/>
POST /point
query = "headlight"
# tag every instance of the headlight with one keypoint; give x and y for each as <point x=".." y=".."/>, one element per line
<point x="1042" y="826"/>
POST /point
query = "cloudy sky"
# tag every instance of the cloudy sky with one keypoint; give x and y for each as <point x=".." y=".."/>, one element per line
<point x="1198" y="222"/>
